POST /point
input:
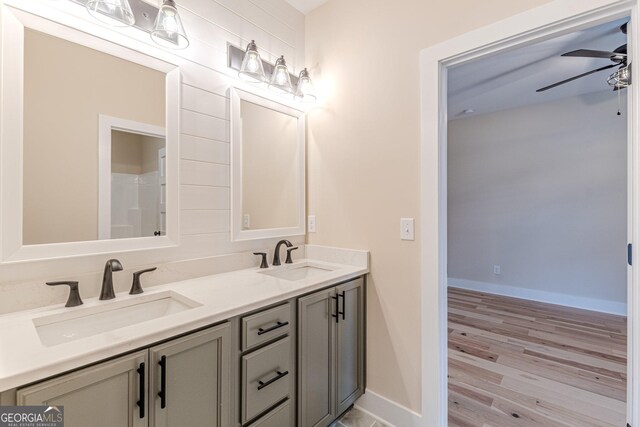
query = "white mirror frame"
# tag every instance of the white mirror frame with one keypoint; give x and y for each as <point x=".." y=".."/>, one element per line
<point x="237" y="233"/>
<point x="12" y="250"/>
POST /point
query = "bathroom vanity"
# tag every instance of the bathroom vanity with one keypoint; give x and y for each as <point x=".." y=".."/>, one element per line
<point x="282" y="346"/>
<point x="169" y="165"/>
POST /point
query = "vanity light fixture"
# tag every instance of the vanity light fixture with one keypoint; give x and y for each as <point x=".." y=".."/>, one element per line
<point x="116" y="13"/>
<point x="305" y="91"/>
<point x="252" y="69"/>
<point x="280" y="80"/>
<point x="168" y="30"/>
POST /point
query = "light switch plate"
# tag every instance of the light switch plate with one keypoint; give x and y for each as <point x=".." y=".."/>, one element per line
<point x="311" y="224"/>
<point x="407" y="229"/>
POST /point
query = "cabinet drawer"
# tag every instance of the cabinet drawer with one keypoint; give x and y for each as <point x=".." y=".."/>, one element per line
<point x="280" y="416"/>
<point x="266" y="378"/>
<point x="264" y="326"/>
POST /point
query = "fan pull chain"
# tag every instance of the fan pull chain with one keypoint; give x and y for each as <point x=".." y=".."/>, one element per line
<point x="619" y="114"/>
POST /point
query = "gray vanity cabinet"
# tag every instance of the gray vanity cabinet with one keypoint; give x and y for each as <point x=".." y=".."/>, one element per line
<point x="330" y="352"/>
<point x="103" y="395"/>
<point x="192" y="389"/>
<point x="189" y="380"/>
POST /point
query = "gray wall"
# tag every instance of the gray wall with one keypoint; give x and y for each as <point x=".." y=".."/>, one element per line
<point x="541" y="191"/>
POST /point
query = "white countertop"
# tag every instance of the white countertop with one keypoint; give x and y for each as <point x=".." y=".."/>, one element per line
<point x="24" y="358"/>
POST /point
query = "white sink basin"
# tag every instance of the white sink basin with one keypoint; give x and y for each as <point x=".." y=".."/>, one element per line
<point x="80" y="323"/>
<point x="297" y="272"/>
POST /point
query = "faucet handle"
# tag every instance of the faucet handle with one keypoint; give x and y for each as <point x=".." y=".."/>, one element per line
<point x="289" y="250"/>
<point x="74" y="294"/>
<point x="263" y="263"/>
<point x="136" y="287"/>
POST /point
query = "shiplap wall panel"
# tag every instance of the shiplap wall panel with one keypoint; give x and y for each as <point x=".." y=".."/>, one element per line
<point x="199" y="100"/>
<point x="205" y="78"/>
<point x="283" y="12"/>
<point x="204" y="173"/>
<point x="204" y="221"/>
<point x="205" y="150"/>
<point x="242" y="30"/>
<point x="205" y="197"/>
<point x="204" y="126"/>
<point x="266" y="21"/>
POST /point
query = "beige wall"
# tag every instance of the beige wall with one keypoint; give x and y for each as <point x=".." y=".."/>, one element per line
<point x="66" y="87"/>
<point x="269" y="167"/>
<point x="363" y="156"/>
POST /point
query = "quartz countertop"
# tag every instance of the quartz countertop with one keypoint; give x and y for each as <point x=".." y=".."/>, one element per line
<point x="25" y="359"/>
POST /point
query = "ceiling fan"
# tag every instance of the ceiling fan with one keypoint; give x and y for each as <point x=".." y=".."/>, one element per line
<point x="619" y="79"/>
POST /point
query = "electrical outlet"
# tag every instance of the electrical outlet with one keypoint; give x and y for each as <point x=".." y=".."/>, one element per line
<point x="407" y="229"/>
<point x="496" y="269"/>
<point x="246" y="221"/>
<point x="311" y="224"/>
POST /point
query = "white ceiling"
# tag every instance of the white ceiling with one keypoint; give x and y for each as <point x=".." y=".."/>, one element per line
<point x="510" y="79"/>
<point x="306" y="6"/>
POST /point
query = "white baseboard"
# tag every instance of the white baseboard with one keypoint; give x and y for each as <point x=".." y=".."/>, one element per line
<point x="604" y="306"/>
<point x="388" y="411"/>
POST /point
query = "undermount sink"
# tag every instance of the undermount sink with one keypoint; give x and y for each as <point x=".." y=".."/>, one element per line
<point x="73" y="325"/>
<point x="297" y="272"/>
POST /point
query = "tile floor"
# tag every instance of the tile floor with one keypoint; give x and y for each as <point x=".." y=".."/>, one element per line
<point x="356" y="418"/>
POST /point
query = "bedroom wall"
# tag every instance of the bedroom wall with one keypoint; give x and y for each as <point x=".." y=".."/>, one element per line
<point x="541" y="192"/>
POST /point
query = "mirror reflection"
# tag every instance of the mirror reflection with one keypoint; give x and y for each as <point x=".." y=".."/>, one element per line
<point x="94" y="141"/>
<point x="137" y="186"/>
<point x="270" y="168"/>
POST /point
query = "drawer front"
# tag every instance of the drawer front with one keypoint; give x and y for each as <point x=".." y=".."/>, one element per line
<point x="266" y="378"/>
<point x="264" y="326"/>
<point x="279" y="417"/>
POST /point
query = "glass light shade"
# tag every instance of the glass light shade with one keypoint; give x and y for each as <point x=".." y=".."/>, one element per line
<point x="305" y="91"/>
<point x="280" y="80"/>
<point x="116" y="13"/>
<point x="168" y="30"/>
<point x="621" y="78"/>
<point x="251" y="68"/>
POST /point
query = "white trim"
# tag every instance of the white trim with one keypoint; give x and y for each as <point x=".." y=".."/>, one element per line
<point x="388" y="411"/>
<point x="603" y="306"/>
<point x="12" y="250"/>
<point x="106" y="124"/>
<point x="546" y="21"/>
<point x="237" y="233"/>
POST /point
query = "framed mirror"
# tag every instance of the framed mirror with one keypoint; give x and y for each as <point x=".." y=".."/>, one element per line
<point x="90" y="150"/>
<point x="267" y="168"/>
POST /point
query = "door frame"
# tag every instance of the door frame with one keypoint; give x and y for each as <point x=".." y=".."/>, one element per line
<point x="538" y="24"/>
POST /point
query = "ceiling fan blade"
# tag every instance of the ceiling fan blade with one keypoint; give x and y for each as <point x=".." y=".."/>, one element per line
<point x="606" y="67"/>
<point x="588" y="53"/>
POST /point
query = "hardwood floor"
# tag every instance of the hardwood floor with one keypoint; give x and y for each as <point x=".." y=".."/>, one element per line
<point x="514" y="362"/>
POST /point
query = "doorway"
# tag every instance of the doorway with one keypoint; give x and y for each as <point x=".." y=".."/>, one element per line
<point x="540" y="24"/>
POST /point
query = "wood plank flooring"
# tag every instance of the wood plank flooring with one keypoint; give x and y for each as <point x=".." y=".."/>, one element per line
<point x="515" y="362"/>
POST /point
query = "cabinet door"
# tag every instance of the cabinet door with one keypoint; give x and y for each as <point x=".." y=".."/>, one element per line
<point x="316" y="330"/>
<point x="190" y="380"/>
<point x="103" y="395"/>
<point x="350" y="344"/>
